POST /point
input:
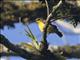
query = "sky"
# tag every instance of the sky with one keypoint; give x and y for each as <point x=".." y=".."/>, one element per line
<point x="18" y="34"/>
<point x="71" y="35"/>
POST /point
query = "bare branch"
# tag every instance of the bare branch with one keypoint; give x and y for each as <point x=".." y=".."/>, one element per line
<point x="21" y="52"/>
<point x="66" y="51"/>
<point x="47" y="8"/>
<point x="44" y="41"/>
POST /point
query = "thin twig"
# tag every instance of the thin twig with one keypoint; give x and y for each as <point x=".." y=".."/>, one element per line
<point x="35" y="42"/>
<point x="47" y="8"/>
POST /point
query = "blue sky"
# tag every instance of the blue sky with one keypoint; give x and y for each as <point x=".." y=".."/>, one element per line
<point x="18" y="35"/>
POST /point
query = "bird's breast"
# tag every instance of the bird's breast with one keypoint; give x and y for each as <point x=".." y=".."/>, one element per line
<point x="41" y="26"/>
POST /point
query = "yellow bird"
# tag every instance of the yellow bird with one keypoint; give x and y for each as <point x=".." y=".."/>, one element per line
<point x="40" y="24"/>
<point x="51" y="28"/>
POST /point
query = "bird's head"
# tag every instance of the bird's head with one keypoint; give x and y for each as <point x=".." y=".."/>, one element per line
<point x="38" y="20"/>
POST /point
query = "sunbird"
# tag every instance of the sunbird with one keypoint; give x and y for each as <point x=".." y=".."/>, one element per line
<point x="50" y="29"/>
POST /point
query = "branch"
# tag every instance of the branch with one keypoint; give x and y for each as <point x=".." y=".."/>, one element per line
<point x="44" y="41"/>
<point x="34" y="39"/>
<point x="21" y="52"/>
<point x="47" y="8"/>
<point x="67" y="51"/>
<point x="26" y="54"/>
<point x="8" y="54"/>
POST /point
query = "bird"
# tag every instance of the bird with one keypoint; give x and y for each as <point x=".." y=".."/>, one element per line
<point x="50" y="29"/>
<point x="40" y="23"/>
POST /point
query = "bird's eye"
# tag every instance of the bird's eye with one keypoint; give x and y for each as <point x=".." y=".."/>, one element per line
<point x="39" y="19"/>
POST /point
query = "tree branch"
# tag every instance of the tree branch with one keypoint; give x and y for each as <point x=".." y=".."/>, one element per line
<point x="44" y="40"/>
<point x="8" y="54"/>
<point x="66" y="51"/>
<point x="21" y="52"/>
<point x="47" y="8"/>
<point x="25" y="54"/>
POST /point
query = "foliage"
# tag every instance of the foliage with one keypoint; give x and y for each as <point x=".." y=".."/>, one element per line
<point x="11" y="11"/>
<point x="69" y="12"/>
